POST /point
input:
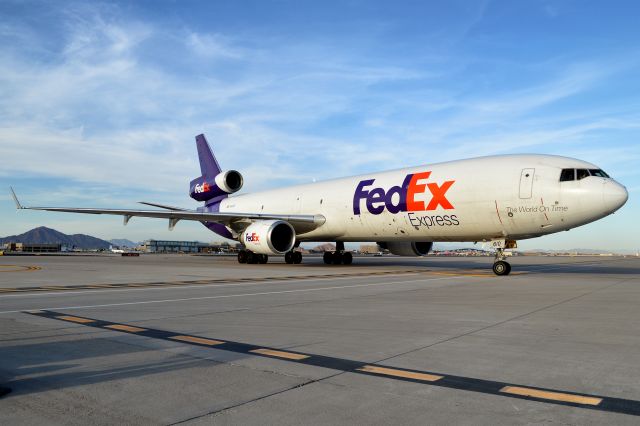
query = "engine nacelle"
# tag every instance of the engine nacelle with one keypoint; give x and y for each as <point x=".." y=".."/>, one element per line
<point x="230" y="181"/>
<point x="202" y="189"/>
<point x="407" y="248"/>
<point x="269" y="237"/>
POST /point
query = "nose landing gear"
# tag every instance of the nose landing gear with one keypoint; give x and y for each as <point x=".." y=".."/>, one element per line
<point x="501" y="266"/>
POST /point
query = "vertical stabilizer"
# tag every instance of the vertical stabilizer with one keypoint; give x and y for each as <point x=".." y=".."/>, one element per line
<point x="208" y="164"/>
<point x="214" y="184"/>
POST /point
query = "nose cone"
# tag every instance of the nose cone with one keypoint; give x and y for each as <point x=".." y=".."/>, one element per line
<point x="614" y="195"/>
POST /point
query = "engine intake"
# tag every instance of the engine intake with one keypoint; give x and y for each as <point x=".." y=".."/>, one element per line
<point x="229" y="181"/>
<point x="269" y="237"/>
<point x="204" y="189"/>
<point x="407" y="248"/>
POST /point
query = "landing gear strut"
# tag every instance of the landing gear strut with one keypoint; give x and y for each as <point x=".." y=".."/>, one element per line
<point x="500" y="266"/>
<point x="340" y="256"/>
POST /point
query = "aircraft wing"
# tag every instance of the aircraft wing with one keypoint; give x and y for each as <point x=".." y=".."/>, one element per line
<point x="163" y="206"/>
<point x="236" y="221"/>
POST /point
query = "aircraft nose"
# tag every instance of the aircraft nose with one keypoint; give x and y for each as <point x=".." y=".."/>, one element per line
<point x="614" y="195"/>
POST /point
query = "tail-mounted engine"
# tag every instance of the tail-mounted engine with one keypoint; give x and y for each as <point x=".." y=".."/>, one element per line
<point x="407" y="248"/>
<point x="204" y="189"/>
<point x="269" y="237"/>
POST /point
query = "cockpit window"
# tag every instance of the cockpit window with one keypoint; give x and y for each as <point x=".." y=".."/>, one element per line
<point x="582" y="173"/>
<point x="567" y="175"/>
<point x="577" y="174"/>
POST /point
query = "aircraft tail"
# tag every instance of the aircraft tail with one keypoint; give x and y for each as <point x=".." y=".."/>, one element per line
<point x="208" y="164"/>
<point x="214" y="184"/>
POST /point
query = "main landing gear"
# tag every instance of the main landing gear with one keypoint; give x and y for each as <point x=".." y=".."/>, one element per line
<point x="246" y="256"/>
<point x="293" y="257"/>
<point x="338" y="257"/>
<point x="501" y="266"/>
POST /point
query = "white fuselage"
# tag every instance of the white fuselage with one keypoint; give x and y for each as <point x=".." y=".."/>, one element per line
<point x="496" y="197"/>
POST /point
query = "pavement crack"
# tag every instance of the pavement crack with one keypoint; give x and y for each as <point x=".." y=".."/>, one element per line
<point x="231" y="407"/>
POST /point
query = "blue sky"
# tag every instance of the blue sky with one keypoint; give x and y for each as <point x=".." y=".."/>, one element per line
<point x="100" y="101"/>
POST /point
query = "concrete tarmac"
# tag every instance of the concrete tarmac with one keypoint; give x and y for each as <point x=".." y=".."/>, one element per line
<point x="168" y="339"/>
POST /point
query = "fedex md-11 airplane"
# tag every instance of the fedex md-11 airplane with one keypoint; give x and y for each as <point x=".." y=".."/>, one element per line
<point x="496" y="199"/>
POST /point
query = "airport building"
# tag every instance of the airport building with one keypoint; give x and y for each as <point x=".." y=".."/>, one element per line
<point x="33" y="248"/>
<point x="164" y="246"/>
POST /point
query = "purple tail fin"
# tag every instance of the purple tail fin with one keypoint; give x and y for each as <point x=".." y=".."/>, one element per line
<point x="208" y="164"/>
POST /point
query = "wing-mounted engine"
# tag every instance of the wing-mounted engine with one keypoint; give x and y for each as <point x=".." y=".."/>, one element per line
<point x="407" y="248"/>
<point x="204" y="188"/>
<point x="269" y="237"/>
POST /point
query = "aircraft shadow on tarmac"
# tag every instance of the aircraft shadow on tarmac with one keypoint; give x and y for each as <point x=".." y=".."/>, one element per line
<point x="40" y="356"/>
<point x="41" y="367"/>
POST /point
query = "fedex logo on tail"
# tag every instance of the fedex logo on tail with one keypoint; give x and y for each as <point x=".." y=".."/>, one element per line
<point x="202" y="187"/>
<point x="402" y="198"/>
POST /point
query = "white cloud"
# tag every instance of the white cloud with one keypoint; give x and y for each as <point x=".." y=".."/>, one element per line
<point x="45" y="152"/>
<point x="212" y="46"/>
<point x="577" y="79"/>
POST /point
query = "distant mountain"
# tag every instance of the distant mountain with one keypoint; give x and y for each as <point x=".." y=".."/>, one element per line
<point x="123" y="242"/>
<point x="46" y="235"/>
<point x="324" y="247"/>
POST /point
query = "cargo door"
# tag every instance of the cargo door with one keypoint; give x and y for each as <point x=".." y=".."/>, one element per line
<point x="526" y="183"/>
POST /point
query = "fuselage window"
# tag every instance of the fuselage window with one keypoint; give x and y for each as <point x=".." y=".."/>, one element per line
<point x="582" y="173"/>
<point x="598" y="172"/>
<point x="567" y="174"/>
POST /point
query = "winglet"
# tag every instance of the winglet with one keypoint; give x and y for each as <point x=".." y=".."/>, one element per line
<point x="15" y="198"/>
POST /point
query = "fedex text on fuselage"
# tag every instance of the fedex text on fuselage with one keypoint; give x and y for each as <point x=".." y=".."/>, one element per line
<point x="402" y="198"/>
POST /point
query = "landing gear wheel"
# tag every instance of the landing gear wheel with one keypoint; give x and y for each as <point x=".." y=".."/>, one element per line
<point x="347" y="258"/>
<point x="337" y="258"/>
<point x="327" y="257"/>
<point x="252" y="258"/>
<point x="501" y="268"/>
<point x="288" y="257"/>
<point x="242" y="256"/>
<point x="297" y="257"/>
<point x="264" y="258"/>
